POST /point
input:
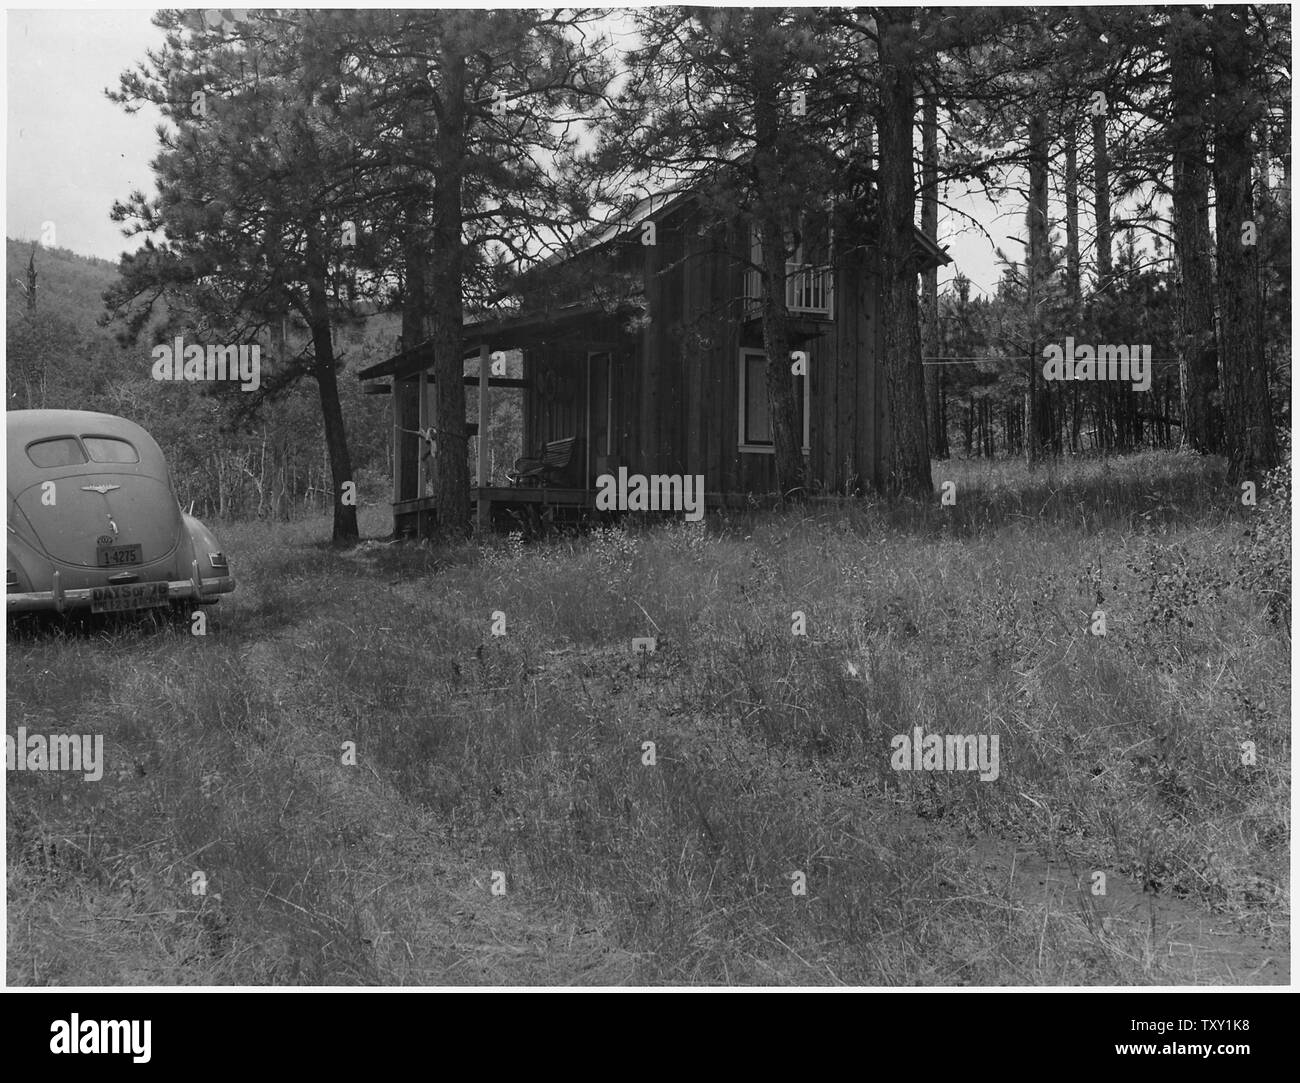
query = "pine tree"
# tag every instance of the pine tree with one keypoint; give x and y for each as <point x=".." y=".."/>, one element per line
<point x="252" y="200"/>
<point x="484" y="104"/>
<point x="1251" y="441"/>
<point x="909" y="471"/>
<point x="1186" y="41"/>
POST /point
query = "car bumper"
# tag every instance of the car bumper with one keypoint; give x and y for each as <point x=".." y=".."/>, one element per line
<point x="195" y="588"/>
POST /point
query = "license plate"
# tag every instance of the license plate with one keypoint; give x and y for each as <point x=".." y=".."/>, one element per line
<point x="128" y="596"/>
<point x="114" y="556"/>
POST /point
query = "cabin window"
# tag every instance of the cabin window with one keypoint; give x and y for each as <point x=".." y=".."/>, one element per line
<point x="755" y="419"/>
<point x="108" y="449"/>
<point x="61" y="451"/>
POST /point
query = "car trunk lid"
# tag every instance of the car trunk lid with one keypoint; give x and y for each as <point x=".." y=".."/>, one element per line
<point x="97" y="519"/>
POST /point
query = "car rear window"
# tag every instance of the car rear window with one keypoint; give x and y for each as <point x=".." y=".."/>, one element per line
<point x="60" y="451"/>
<point x="108" y="449"/>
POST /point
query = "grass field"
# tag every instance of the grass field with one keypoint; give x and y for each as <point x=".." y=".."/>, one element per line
<point x="503" y="823"/>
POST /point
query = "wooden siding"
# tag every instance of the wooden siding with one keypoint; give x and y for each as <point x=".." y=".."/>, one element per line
<point x="675" y="382"/>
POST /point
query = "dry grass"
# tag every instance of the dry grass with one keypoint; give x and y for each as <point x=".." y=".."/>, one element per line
<point x="523" y="754"/>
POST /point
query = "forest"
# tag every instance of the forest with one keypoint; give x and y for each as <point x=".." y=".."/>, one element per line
<point x="332" y="183"/>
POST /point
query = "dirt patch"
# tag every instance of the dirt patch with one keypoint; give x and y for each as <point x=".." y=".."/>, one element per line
<point x="1176" y="942"/>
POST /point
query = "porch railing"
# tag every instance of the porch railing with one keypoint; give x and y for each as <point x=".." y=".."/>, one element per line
<point x="807" y="288"/>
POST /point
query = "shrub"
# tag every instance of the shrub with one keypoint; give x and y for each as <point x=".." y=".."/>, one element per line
<point x="1264" y="563"/>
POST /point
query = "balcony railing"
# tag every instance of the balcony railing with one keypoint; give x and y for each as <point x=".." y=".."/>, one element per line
<point x="807" y="288"/>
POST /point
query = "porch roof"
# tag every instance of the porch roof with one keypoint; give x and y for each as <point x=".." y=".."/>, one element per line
<point x="933" y="252"/>
<point x="500" y="333"/>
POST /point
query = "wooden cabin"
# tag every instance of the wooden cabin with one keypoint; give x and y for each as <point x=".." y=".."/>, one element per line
<point x="650" y="356"/>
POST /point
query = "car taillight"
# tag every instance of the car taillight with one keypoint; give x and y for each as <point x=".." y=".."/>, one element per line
<point x="11" y="578"/>
<point x="218" y="560"/>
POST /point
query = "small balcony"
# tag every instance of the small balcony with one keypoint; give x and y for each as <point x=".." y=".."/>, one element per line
<point x="809" y="290"/>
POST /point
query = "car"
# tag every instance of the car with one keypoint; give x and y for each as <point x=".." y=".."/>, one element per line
<point x="94" y="522"/>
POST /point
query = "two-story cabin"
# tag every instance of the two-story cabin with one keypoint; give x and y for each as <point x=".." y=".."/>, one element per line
<point x="645" y="350"/>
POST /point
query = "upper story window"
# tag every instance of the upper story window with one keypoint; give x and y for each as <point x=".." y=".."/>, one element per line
<point x="809" y="277"/>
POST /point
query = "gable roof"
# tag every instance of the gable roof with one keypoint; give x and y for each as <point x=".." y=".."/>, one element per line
<point x="613" y="228"/>
<point x="670" y="199"/>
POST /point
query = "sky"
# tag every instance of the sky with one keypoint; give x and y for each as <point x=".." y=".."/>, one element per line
<point x="70" y="152"/>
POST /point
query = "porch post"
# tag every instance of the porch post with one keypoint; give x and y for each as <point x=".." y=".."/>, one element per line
<point x="586" y="443"/>
<point x="421" y="469"/>
<point x="484" y="504"/>
<point x="397" y="451"/>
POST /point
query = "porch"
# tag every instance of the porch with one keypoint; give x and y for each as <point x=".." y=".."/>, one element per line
<point x="584" y="336"/>
<point x="510" y="508"/>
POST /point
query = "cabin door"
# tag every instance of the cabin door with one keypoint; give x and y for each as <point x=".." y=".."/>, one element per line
<point x="600" y="425"/>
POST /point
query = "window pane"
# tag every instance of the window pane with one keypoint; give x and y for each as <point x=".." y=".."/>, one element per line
<point x="61" y="451"/>
<point x="758" y="429"/>
<point x="105" y="449"/>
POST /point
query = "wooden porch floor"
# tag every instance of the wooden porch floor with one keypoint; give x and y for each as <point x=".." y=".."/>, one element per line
<point x="504" y="494"/>
<point x="507" y="504"/>
<point x="508" y="508"/>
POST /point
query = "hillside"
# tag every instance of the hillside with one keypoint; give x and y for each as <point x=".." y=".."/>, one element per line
<point x="68" y="284"/>
<point x="222" y="458"/>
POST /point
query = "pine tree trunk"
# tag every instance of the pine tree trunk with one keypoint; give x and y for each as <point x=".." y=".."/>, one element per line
<point x="783" y="407"/>
<point x="909" y="451"/>
<point x="323" y="368"/>
<point x="1197" y="354"/>
<point x="406" y="393"/>
<point x="1101" y="192"/>
<point x="1072" y="274"/>
<point x="446" y="310"/>
<point x="930" y="278"/>
<point x="1250" y="439"/>
<point x="1073" y="281"/>
<point x="1103" y="392"/>
<point x="1036" y="276"/>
